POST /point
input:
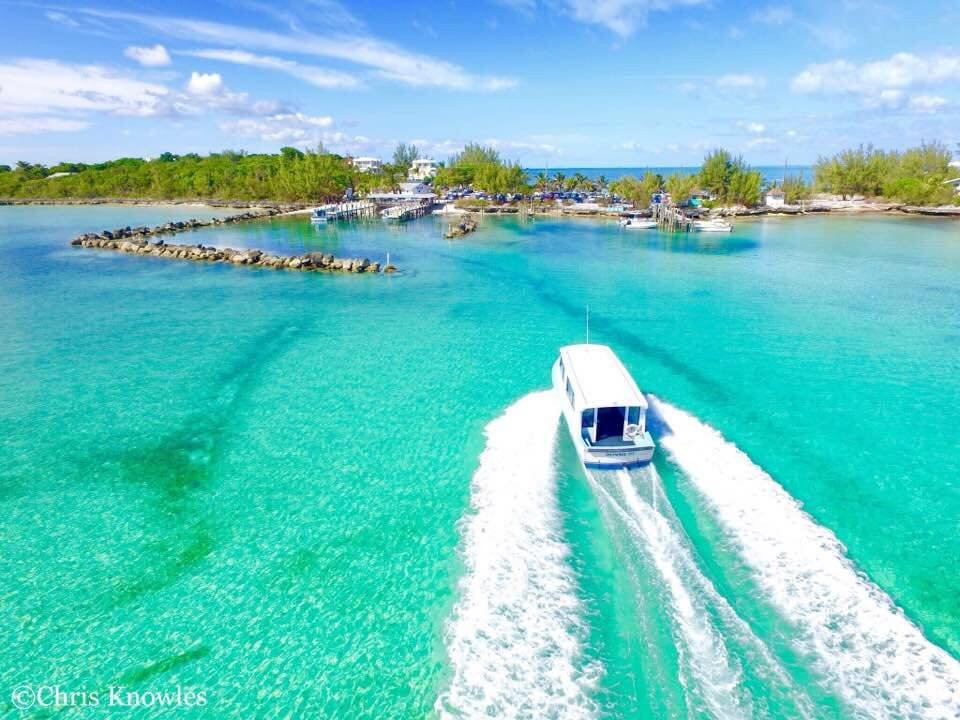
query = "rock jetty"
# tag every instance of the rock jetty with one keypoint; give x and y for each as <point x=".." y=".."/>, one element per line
<point x="138" y="241"/>
<point x="464" y="227"/>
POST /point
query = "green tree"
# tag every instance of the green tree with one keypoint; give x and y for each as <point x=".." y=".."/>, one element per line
<point x="715" y="172"/>
<point x="638" y="191"/>
<point x="681" y="187"/>
<point x="404" y="155"/>
<point x="795" y="189"/>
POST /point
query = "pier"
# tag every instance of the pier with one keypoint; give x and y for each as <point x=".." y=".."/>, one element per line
<point x="669" y="217"/>
<point x="407" y="211"/>
<point x="354" y="210"/>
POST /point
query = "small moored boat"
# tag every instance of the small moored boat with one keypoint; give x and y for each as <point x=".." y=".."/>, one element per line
<point x="714" y="225"/>
<point x="604" y="409"/>
<point x="319" y="215"/>
<point x="637" y="224"/>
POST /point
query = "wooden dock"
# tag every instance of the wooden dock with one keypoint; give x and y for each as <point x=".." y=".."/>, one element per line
<point x="354" y="210"/>
<point x="406" y="211"/>
<point x="671" y="218"/>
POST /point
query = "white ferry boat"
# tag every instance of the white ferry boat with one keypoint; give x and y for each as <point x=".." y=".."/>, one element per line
<point x="604" y="409"/>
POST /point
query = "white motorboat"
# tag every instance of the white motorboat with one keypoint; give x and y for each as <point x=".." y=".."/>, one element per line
<point x="637" y="224"/>
<point x="713" y="225"/>
<point x="604" y="409"/>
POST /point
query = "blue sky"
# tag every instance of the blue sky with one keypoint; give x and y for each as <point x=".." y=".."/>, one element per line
<point x="560" y="83"/>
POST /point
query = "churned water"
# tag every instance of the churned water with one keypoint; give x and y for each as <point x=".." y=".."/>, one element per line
<point x="347" y="496"/>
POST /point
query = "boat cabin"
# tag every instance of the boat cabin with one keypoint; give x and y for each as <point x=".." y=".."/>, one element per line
<point x="611" y="408"/>
<point x="605" y="410"/>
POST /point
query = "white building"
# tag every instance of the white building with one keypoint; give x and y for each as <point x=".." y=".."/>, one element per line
<point x="422" y="169"/>
<point x="775" y="198"/>
<point x="956" y="184"/>
<point x="367" y="164"/>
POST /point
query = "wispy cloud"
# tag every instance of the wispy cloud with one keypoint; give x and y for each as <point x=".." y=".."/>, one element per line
<point x="282" y="127"/>
<point x="883" y="82"/>
<point x="32" y="86"/>
<point x="622" y="17"/>
<point x="385" y="59"/>
<point x="156" y="56"/>
<point x="752" y="127"/>
<point x="828" y="34"/>
<point x="318" y="76"/>
<point x="740" y="80"/>
<point x="33" y="125"/>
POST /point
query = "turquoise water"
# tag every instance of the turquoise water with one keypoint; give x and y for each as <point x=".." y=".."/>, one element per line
<point x="341" y="496"/>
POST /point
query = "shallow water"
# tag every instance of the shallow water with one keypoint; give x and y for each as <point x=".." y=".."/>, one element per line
<point x="271" y="485"/>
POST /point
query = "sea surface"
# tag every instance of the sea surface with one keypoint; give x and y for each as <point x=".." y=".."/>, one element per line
<point x="343" y="496"/>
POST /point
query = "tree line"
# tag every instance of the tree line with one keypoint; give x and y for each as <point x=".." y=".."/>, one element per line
<point x="916" y="176"/>
<point x="725" y="178"/>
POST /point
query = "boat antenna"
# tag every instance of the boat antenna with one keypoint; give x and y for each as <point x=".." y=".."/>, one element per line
<point x="588" y="324"/>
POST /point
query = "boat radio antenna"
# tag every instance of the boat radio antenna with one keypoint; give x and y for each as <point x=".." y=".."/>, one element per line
<point x="588" y="324"/>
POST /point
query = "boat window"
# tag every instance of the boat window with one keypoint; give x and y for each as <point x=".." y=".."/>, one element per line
<point x="633" y="417"/>
<point x="562" y="373"/>
<point x="586" y="418"/>
<point x="570" y="392"/>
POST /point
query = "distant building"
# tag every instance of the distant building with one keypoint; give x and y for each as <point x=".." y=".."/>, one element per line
<point x="775" y="198"/>
<point x="367" y="164"/>
<point x="422" y="169"/>
<point x="408" y="191"/>
<point x="414" y="188"/>
<point x="59" y="174"/>
<point x="956" y="184"/>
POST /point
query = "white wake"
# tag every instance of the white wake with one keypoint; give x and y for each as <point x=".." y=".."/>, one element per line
<point x="874" y="657"/>
<point x="515" y="638"/>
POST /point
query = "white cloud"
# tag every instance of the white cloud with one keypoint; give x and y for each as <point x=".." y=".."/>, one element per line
<point x="387" y="60"/>
<point x="204" y="83"/>
<point x="59" y="17"/>
<point x="509" y="145"/>
<point x="898" y="72"/>
<point x="773" y="15"/>
<point x="29" y="86"/>
<point x="828" y="34"/>
<point x="156" y="56"/>
<point x="318" y="76"/>
<point x="752" y="127"/>
<point x="282" y="127"/>
<point x="760" y="142"/>
<point x="740" y="80"/>
<point x="621" y="16"/>
<point x="33" y="124"/>
<point x="926" y="103"/>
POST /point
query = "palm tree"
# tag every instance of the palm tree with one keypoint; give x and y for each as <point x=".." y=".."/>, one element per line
<point x="580" y="182"/>
<point x="541" y="181"/>
<point x="602" y="182"/>
<point x="558" y="178"/>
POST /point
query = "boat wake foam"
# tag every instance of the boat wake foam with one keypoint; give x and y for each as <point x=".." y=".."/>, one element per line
<point x="873" y="656"/>
<point x="704" y="623"/>
<point x="515" y="638"/>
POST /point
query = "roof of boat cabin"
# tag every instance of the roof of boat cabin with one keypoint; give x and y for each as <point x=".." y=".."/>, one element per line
<point x="599" y="378"/>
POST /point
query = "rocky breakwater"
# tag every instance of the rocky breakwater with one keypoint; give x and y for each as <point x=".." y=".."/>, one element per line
<point x="464" y="227"/>
<point x="140" y="241"/>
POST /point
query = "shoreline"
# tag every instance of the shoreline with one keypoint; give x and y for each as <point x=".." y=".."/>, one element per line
<point x="816" y="207"/>
<point x="147" y="202"/>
